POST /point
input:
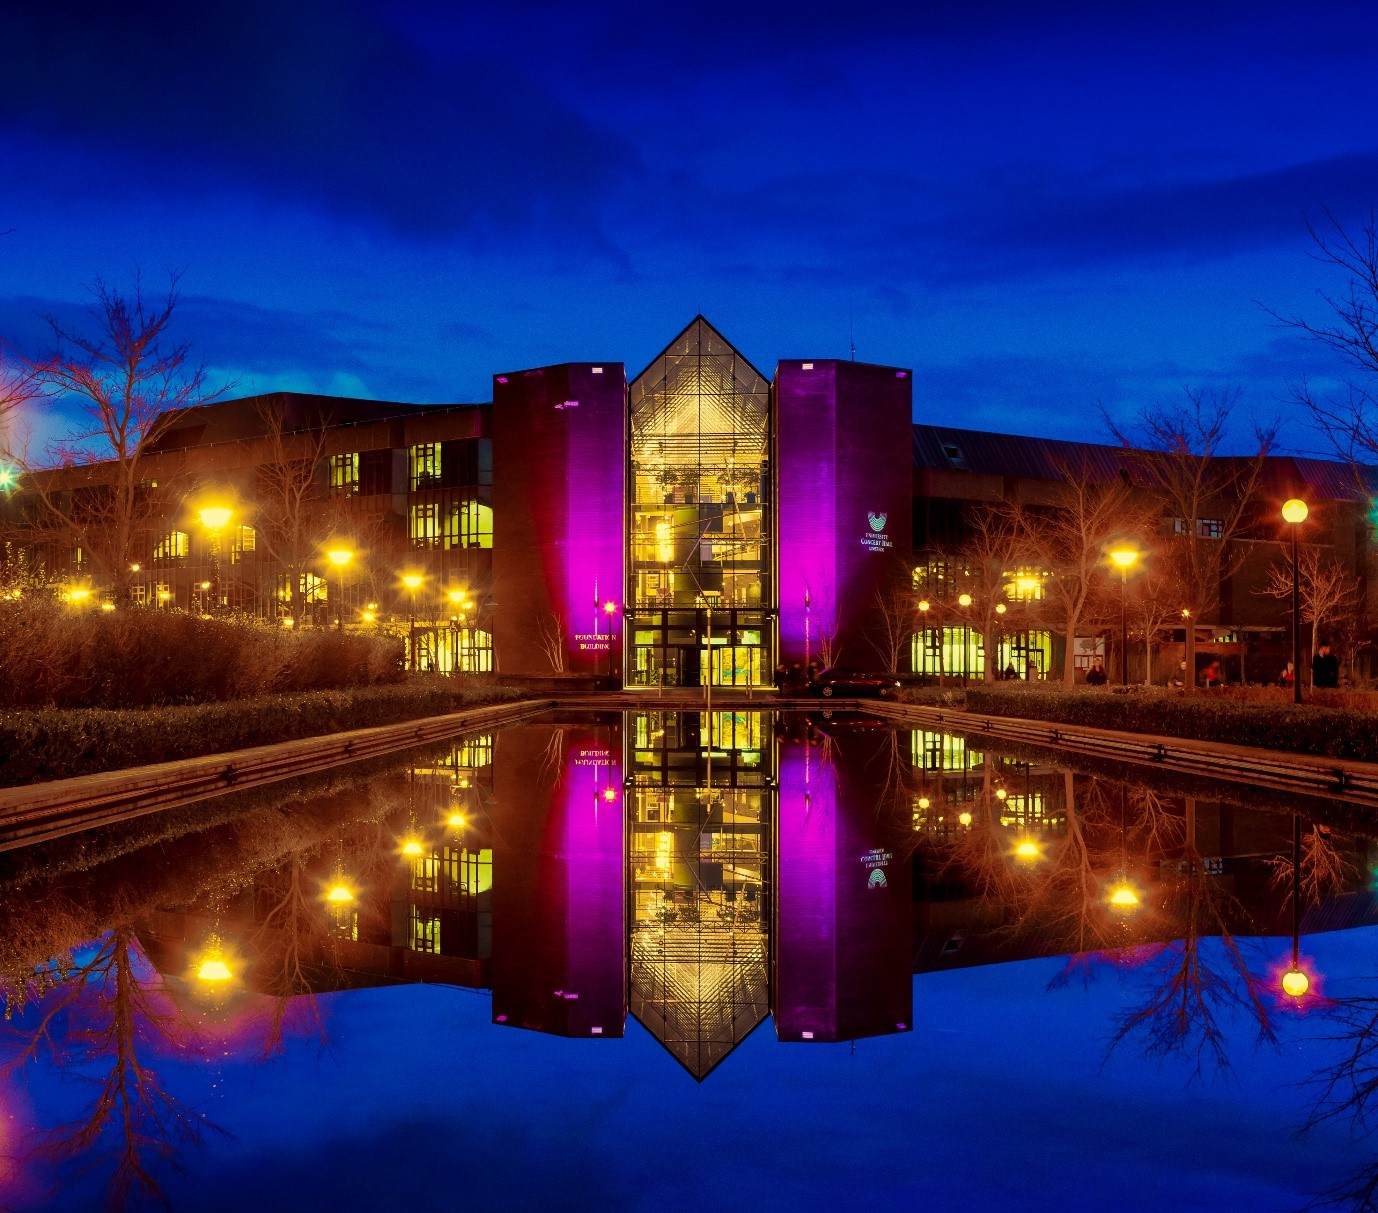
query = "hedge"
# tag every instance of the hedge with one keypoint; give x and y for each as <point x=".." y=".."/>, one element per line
<point x="1205" y="716"/>
<point x="57" y="744"/>
<point x="54" y="655"/>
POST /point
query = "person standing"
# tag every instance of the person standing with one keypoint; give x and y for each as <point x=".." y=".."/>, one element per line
<point x="1325" y="669"/>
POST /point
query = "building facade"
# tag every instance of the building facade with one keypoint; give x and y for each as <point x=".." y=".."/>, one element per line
<point x="694" y="523"/>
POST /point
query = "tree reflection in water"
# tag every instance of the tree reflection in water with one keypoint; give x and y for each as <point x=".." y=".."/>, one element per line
<point x="93" y="1017"/>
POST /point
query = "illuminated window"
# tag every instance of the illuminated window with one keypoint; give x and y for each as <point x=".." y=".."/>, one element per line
<point x="425" y="466"/>
<point x="344" y="474"/>
<point x="425" y="931"/>
<point x="172" y="546"/>
<point x="1206" y="528"/>
<point x="423" y="523"/>
<point x="469" y="524"/>
<point x="942" y="752"/>
<point x="1025" y="585"/>
<point x="243" y="541"/>
<point x="311" y="589"/>
<point x="956" y="652"/>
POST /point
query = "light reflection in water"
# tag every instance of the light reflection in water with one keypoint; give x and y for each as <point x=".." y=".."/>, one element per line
<point x="700" y="874"/>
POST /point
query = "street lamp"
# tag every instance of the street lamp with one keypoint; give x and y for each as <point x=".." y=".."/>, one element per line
<point x="1296" y="982"/>
<point x="215" y="518"/>
<point x="1124" y="558"/>
<point x="1294" y="512"/>
<point x="964" y="600"/>
<point x="413" y="582"/>
<point x="610" y="607"/>
<point x="340" y="557"/>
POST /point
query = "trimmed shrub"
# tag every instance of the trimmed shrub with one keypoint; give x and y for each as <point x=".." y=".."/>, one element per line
<point x="1274" y="723"/>
<point x="52" y="655"/>
<point x="56" y="744"/>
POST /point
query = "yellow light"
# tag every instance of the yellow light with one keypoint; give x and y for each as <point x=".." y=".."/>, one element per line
<point x="339" y="894"/>
<point x="456" y="596"/>
<point x="1295" y="983"/>
<point x="411" y="847"/>
<point x="164" y="595"/>
<point x="370" y="617"/>
<point x="214" y="969"/>
<point x="1027" y="585"/>
<point x="1186" y="614"/>
<point x="134" y="568"/>
<point x="107" y="606"/>
<point x="924" y="604"/>
<point x="610" y="607"/>
<point x="1294" y="511"/>
<point x="288" y="621"/>
<point x="964" y="600"/>
<point x="411" y="580"/>
<point x="964" y="819"/>
<point x="78" y="594"/>
<point x="6" y="478"/>
<point x="1000" y="793"/>
<point x="999" y="608"/>
<point x="1028" y="849"/>
<point x="1124" y="558"/>
<point x="610" y="794"/>
<point x="455" y="821"/>
<point x="215" y="517"/>
<point x="1123" y="897"/>
<point x="340" y="556"/>
<point x="205" y="585"/>
<point x="924" y="802"/>
<point x="371" y="606"/>
<point x="665" y="548"/>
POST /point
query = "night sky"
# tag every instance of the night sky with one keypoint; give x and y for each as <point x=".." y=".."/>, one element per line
<point x="1038" y="207"/>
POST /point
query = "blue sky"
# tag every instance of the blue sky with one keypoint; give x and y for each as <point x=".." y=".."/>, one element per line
<point x="1039" y="207"/>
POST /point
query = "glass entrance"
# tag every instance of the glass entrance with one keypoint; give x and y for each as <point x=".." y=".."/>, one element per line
<point x="698" y="525"/>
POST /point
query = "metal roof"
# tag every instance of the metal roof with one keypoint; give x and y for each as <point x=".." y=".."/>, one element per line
<point x="945" y="449"/>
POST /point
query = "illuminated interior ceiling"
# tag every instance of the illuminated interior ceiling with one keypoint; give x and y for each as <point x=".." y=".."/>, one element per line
<point x="699" y="989"/>
<point x="699" y="404"/>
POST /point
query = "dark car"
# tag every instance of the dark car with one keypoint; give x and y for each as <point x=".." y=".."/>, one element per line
<point x="848" y="684"/>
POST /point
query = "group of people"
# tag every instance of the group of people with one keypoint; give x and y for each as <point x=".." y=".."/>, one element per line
<point x="1325" y="672"/>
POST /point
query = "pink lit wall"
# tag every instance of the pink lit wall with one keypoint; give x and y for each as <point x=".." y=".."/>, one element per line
<point x="843" y="912"/>
<point x="559" y="918"/>
<point x="844" y="473"/>
<point x="559" y="459"/>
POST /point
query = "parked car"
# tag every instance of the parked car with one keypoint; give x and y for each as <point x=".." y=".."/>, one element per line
<point x="833" y="682"/>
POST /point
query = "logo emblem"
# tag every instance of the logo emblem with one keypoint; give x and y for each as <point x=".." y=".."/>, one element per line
<point x="876" y="880"/>
<point x="877" y="521"/>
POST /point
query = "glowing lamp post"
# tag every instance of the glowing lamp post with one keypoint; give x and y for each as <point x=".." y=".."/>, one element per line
<point x="340" y="557"/>
<point x="1124" y="899"/>
<point x="1295" y="981"/>
<point x="1124" y="558"/>
<point x="610" y="607"/>
<point x="215" y="518"/>
<point x="1294" y="512"/>
<point x="964" y="601"/>
<point x="413" y="582"/>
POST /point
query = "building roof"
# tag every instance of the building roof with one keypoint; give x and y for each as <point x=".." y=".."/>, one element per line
<point x="945" y="449"/>
<point x="247" y="417"/>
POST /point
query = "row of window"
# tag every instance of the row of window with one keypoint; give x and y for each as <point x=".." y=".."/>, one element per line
<point x="456" y="524"/>
<point x="430" y="465"/>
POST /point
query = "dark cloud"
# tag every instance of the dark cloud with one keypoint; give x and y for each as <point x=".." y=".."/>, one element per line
<point x="317" y="99"/>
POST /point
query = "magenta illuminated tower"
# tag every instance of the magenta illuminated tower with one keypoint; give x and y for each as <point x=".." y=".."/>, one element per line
<point x="559" y="919"/>
<point x="559" y="452"/>
<point x="844" y="477"/>
<point x="843" y="896"/>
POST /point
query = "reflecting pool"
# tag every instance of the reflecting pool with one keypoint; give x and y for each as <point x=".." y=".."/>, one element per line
<point x="616" y="960"/>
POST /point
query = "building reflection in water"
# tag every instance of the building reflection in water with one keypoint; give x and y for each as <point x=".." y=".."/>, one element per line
<point x="700" y="803"/>
<point x="558" y="827"/>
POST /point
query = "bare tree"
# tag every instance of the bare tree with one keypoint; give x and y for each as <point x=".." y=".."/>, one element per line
<point x="94" y="1020"/>
<point x="1153" y="597"/>
<point x="290" y="514"/>
<point x="1351" y="333"/>
<point x="1071" y="541"/>
<point x="1327" y="591"/>
<point x="988" y="557"/>
<point x="555" y="642"/>
<point x="893" y="618"/>
<point x="129" y="380"/>
<point x="1204" y="495"/>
